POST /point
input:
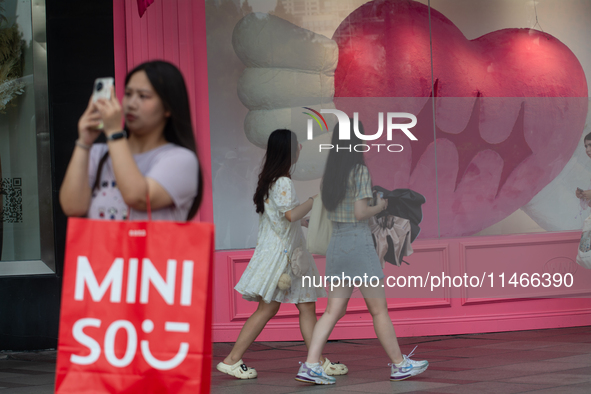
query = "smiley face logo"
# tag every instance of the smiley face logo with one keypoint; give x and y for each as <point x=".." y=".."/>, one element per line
<point x="164" y="365"/>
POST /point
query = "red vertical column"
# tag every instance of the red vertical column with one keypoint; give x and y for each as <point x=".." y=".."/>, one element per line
<point x="201" y="104"/>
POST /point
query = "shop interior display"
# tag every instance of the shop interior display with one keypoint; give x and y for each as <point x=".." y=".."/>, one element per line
<point x="11" y="69"/>
<point x="11" y="61"/>
<point x="19" y="208"/>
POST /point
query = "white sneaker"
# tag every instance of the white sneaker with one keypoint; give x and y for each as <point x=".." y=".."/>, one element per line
<point x="407" y="368"/>
<point x="314" y="374"/>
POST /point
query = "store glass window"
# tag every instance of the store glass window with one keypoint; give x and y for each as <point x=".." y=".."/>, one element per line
<point x="512" y="115"/>
<point x="499" y="89"/>
<point x="26" y="230"/>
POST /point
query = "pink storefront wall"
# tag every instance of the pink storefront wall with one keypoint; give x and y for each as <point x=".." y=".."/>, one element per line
<point x="174" y="30"/>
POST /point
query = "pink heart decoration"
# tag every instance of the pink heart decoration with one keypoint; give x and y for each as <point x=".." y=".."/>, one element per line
<point x="510" y="108"/>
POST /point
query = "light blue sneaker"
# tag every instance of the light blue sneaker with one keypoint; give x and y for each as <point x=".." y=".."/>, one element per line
<point x="313" y="374"/>
<point x="408" y="368"/>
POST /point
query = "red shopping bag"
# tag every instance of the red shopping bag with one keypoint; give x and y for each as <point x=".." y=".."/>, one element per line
<point x="136" y="308"/>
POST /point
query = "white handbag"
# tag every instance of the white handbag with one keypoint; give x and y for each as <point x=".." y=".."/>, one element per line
<point x="584" y="253"/>
<point x="319" y="228"/>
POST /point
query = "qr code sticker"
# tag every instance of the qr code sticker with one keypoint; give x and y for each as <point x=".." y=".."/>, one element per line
<point x="11" y="193"/>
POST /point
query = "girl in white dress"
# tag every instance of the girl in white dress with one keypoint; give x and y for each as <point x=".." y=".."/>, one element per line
<point x="280" y="234"/>
<point x="585" y="195"/>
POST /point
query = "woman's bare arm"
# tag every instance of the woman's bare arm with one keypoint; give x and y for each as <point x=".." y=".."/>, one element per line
<point x="300" y="211"/>
<point x="134" y="187"/>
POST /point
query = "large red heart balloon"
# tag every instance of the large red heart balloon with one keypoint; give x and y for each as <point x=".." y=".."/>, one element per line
<point x="510" y="108"/>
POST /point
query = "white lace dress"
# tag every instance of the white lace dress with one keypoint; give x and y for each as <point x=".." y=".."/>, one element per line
<point x="269" y="261"/>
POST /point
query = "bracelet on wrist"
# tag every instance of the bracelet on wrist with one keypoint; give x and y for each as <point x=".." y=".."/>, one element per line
<point x="82" y="145"/>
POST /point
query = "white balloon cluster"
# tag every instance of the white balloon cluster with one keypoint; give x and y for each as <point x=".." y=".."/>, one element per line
<point x="288" y="68"/>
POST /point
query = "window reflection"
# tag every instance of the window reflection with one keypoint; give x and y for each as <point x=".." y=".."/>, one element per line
<point x="19" y="219"/>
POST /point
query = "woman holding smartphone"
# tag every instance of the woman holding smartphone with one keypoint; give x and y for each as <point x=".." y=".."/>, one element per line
<point x="151" y="163"/>
<point x="346" y="194"/>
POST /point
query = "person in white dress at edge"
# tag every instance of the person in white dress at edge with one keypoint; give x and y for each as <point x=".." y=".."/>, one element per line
<point x="346" y="192"/>
<point x="153" y="157"/>
<point x="585" y="195"/>
<point x="279" y="234"/>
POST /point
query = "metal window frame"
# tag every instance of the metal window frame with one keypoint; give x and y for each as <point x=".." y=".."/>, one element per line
<point x="46" y="264"/>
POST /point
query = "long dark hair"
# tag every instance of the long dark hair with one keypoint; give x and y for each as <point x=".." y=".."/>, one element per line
<point x="169" y="85"/>
<point x="339" y="165"/>
<point x="281" y="154"/>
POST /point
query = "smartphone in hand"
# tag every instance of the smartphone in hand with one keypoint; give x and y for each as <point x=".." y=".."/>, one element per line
<point x="102" y="88"/>
<point x="374" y="200"/>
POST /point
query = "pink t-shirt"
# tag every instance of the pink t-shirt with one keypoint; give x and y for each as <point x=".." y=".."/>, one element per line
<point x="174" y="168"/>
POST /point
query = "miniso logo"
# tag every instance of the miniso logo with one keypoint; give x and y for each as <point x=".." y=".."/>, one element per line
<point x="345" y="129"/>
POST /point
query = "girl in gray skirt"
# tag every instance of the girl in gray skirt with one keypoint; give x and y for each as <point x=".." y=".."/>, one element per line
<point x="346" y="192"/>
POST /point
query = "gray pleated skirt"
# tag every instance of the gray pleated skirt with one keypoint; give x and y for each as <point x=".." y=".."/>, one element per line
<point x="351" y="251"/>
